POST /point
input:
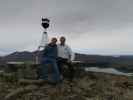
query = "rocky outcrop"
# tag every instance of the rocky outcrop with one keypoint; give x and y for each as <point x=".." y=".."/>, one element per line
<point x="85" y="86"/>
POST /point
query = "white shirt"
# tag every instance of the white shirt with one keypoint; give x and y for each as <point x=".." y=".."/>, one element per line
<point x="64" y="51"/>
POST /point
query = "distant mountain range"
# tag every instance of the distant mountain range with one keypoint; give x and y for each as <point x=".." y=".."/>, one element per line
<point x="26" y="56"/>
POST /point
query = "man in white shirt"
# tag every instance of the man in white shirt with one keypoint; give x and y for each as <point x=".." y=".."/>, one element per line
<point x="65" y="56"/>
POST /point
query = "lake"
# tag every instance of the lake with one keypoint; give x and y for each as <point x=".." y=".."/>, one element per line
<point x="107" y="70"/>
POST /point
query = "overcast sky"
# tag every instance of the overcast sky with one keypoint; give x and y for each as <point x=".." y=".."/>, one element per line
<point x="91" y="26"/>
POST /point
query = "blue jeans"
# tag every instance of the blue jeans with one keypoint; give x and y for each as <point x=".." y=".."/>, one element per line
<point x="45" y="64"/>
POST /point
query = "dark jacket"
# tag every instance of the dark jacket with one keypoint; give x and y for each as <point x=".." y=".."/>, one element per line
<point x="50" y="52"/>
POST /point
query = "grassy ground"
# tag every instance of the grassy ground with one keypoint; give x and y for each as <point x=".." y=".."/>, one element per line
<point x="85" y="86"/>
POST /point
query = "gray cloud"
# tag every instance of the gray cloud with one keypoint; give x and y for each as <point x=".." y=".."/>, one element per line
<point x="100" y="26"/>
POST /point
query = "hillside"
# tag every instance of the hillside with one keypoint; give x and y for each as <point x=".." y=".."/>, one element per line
<point x="111" y="61"/>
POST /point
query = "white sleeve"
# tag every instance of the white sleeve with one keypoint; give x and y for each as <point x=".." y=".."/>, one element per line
<point x="72" y="56"/>
<point x="71" y="53"/>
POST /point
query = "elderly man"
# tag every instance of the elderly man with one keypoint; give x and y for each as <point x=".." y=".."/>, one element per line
<point x="65" y="56"/>
<point x="49" y="57"/>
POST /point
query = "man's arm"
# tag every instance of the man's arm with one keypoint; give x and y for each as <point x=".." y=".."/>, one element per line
<point x="71" y="53"/>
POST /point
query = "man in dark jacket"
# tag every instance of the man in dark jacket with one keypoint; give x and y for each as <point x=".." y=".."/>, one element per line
<point x="49" y="60"/>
